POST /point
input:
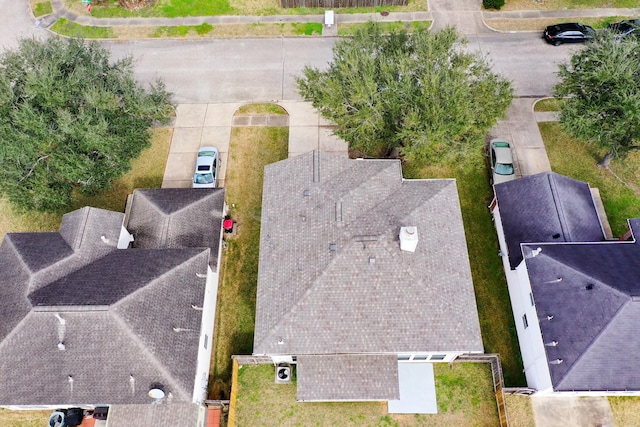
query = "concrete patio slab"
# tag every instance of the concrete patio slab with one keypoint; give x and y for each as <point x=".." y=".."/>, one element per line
<point x="555" y="411"/>
<point x="190" y="115"/>
<point x="417" y="390"/>
<point x="186" y="140"/>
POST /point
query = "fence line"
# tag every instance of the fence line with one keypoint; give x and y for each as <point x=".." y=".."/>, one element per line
<point x="498" y="381"/>
<point x="252" y="360"/>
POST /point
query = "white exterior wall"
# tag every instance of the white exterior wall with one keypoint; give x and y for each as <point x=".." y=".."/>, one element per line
<point x="534" y="357"/>
<point x="205" y="346"/>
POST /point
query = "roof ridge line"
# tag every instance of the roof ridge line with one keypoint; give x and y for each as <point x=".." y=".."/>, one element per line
<point x="295" y="304"/>
<point x="154" y="360"/>
<point x="599" y="335"/>
<point x="559" y="207"/>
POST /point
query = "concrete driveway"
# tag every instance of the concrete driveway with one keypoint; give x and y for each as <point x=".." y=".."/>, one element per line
<point x="200" y="125"/>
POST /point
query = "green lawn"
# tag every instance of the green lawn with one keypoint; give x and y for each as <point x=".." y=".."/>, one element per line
<point x="251" y="149"/>
<point x="577" y="160"/>
<point x="68" y="28"/>
<point x="178" y="8"/>
<point x="23" y="418"/>
<point x="464" y="395"/>
<point x="492" y="296"/>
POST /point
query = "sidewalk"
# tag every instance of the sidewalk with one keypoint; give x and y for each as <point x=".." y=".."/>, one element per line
<point x="464" y="14"/>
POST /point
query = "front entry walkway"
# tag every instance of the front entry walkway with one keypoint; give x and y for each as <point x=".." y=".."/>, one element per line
<point x="417" y="390"/>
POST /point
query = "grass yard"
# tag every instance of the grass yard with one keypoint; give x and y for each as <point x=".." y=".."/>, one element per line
<point x="567" y="4"/>
<point x="23" y="418"/>
<point x="626" y="411"/>
<point x="146" y="172"/>
<point x="68" y="28"/>
<point x="519" y="410"/>
<point x="251" y="148"/>
<point x="492" y="296"/>
<point x="464" y="394"/>
<point x="178" y="8"/>
<point x="41" y="8"/>
<point x="350" y="29"/>
<point x="577" y="160"/>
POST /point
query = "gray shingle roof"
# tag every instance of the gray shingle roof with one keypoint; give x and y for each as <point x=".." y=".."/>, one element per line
<point x="366" y="296"/>
<point x="177" y="218"/>
<point x="546" y="207"/>
<point x="347" y="377"/>
<point x="595" y="311"/>
<point x="127" y="318"/>
<point x="169" y="415"/>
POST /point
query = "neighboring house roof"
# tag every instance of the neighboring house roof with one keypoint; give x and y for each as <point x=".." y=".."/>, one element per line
<point x="348" y="377"/>
<point x="170" y="415"/>
<point x="177" y="218"/>
<point x="82" y="322"/>
<point x="332" y="277"/>
<point x="546" y="207"/>
<point x="587" y="297"/>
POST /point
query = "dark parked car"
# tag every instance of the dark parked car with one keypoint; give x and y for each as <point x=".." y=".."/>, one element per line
<point x="568" y="33"/>
<point x="627" y="28"/>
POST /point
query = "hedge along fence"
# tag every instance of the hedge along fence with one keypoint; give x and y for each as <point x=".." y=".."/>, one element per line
<point x="333" y="4"/>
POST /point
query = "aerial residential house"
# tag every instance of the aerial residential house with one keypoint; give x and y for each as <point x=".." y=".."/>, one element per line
<point x="574" y="293"/>
<point x="362" y="276"/>
<point x="112" y="309"/>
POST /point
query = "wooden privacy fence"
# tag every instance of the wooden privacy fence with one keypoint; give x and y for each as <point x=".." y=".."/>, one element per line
<point x="333" y="4"/>
<point x="498" y="381"/>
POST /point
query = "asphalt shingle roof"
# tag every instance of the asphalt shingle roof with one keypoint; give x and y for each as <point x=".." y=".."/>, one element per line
<point x="83" y="322"/>
<point x="332" y="278"/>
<point x="586" y="297"/>
<point x="177" y="218"/>
<point x="546" y="207"/>
<point x="348" y="377"/>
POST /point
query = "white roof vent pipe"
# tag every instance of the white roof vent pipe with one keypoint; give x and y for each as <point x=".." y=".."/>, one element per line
<point x="408" y="239"/>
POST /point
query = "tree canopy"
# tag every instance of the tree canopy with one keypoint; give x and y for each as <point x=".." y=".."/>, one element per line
<point x="70" y="120"/>
<point x="600" y="86"/>
<point x="420" y="93"/>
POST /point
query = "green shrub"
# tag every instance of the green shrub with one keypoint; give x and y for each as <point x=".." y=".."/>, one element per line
<point x="493" y="4"/>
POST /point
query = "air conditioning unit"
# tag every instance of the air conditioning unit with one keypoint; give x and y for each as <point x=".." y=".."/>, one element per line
<point x="283" y="373"/>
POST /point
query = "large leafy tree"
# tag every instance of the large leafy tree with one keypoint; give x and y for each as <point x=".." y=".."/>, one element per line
<point x="600" y="86"/>
<point x="420" y="93"/>
<point x="70" y="120"/>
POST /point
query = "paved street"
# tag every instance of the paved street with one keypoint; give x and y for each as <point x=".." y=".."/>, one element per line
<point x="241" y="70"/>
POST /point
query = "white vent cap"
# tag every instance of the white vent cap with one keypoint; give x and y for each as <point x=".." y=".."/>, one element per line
<point x="408" y="238"/>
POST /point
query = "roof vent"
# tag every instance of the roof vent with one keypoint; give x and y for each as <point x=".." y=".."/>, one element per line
<point x="551" y="344"/>
<point x="306" y="193"/>
<point x="556" y="362"/>
<point x="589" y="286"/>
<point x="61" y="346"/>
<point x="280" y="341"/>
<point x="156" y="392"/>
<point x="333" y="247"/>
<point x="372" y="260"/>
<point x="283" y="373"/>
<point x="408" y="239"/>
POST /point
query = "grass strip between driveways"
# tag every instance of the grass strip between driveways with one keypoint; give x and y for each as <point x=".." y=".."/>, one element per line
<point x="251" y="148"/>
<point x="492" y="295"/>
<point x="464" y="394"/>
